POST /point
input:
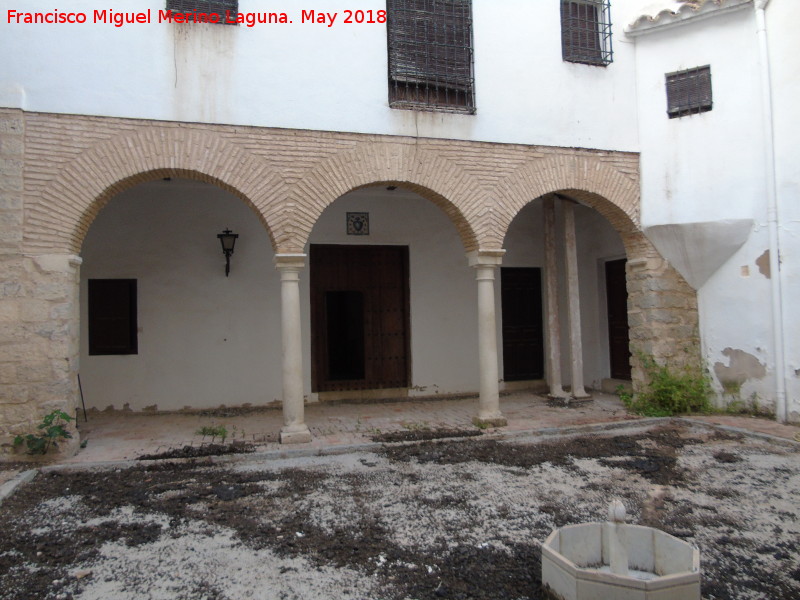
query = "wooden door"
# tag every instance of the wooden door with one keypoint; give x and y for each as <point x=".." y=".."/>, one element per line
<point x="359" y="317"/>
<point x="523" y="340"/>
<point x="618" y="337"/>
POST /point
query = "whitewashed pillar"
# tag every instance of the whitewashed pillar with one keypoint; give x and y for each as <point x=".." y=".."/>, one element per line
<point x="551" y="297"/>
<point x="574" y="300"/>
<point x="485" y="262"/>
<point x="294" y="428"/>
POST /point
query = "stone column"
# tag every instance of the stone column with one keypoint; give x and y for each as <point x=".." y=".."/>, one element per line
<point x="485" y="262"/>
<point x="551" y="299"/>
<point x="573" y="293"/>
<point x="294" y="428"/>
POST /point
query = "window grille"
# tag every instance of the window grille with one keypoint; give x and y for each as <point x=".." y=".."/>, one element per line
<point x="586" y="31"/>
<point x="206" y="6"/>
<point x="689" y="92"/>
<point x="430" y="55"/>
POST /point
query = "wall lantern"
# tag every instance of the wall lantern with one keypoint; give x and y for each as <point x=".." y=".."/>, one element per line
<point x="228" y="240"/>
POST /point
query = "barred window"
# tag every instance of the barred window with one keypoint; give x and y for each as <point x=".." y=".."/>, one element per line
<point x="430" y="55"/>
<point x="689" y="92"/>
<point x="220" y="7"/>
<point x="586" y="31"/>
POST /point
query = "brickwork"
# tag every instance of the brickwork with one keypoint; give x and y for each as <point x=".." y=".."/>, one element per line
<point x="12" y="154"/>
<point x="58" y="171"/>
<point x="74" y="165"/>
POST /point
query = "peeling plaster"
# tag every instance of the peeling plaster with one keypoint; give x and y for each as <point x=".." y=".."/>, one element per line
<point x="742" y="366"/>
<point x="763" y="264"/>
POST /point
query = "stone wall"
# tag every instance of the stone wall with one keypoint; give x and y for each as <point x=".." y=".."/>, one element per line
<point x="662" y="311"/>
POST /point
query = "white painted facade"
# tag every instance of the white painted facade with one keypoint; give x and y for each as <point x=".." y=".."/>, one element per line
<point x="706" y="168"/>
<point x="310" y="76"/>
<point x="710" y="169"/>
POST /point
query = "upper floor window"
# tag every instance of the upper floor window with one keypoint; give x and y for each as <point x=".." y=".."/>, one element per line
<point x="586" y="31"/>
<point x="689" y="92"/>
<point x="430" y="55"/>
<point x="225" y="9"/>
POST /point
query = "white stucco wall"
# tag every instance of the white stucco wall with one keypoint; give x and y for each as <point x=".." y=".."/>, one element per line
<point x="693" y="167"/>
<point x="443" y="292"/>
<point x="310" y="76"/>
<point x="782" y="19"/>
<point x="711" y="167"/>
<point x="204" y="339"/>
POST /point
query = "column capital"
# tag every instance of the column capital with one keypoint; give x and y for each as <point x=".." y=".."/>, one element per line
<point x="56" y="262"/>
<point x="290" y="262"/>
<point x="485" y="258"/>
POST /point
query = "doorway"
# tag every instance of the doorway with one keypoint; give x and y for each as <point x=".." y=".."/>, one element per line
<point x="523" y="339"/>
<point x="618" y="336"/>
<point x="359" y="317"/>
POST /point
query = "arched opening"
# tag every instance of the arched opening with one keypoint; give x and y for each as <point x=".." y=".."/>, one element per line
<point x="595" y="299"/>
<point x="198" y="339"/>
<point x="391" y="298"/>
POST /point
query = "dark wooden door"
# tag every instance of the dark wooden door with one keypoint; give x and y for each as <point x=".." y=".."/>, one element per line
<point x="523" y="340"/>
<point x="618" y="338"/>
<point x="359" y="317"/>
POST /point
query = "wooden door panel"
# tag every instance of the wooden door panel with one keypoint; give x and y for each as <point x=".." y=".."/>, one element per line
<point x="618" y="333"/>
<point x="523" y="339"/>
<point x="379" y="276"/>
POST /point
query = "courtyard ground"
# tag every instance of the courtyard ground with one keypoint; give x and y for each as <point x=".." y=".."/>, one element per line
<point x="459" y="518"/>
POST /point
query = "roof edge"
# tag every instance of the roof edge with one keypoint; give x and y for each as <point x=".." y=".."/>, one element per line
<point x="685" y="13"/>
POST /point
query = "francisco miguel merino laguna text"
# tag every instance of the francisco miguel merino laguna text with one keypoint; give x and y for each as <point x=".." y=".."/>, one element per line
<point x="250" y="19"/>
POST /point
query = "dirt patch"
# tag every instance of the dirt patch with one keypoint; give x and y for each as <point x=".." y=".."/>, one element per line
<point x="420" y="435"/>
<point x="651" y="455"/>
<point x="201" y="451"/>
<point x="458" y="519"/>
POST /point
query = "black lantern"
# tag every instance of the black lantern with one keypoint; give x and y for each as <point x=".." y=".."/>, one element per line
<point x="228" y="241"/>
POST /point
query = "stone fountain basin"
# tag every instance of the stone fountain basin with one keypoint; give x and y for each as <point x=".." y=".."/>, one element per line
<point x="575" y="564"/>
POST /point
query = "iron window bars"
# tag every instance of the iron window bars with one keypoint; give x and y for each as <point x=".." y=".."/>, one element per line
<point x="431" y="55"/>
<point x="207" y="6"/>
<point x="689" y="92"/>
<point x="586" y="31"/>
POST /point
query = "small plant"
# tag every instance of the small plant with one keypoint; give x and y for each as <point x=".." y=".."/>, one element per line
<point x="215" y="431"/>
<point x="416" y="426"/>
<point x="624" y="394"/>
<point x="670" y="392"/>
<point x="52" y="430"/>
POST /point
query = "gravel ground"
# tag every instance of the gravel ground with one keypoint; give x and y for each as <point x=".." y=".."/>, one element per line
<point x="436" y="519"/>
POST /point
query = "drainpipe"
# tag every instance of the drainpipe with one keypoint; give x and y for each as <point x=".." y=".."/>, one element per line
<point x="773" y="220"/>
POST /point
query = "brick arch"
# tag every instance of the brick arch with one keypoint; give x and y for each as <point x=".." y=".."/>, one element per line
<point x="62" y="216"/>
<point x="614" y="194"/>
<point x="400" y="163"/>
<point x="662" y="307"/>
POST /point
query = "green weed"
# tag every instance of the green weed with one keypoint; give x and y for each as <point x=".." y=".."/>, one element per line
<point x="214" y="431"/>
<point x="670" y="391"/>
<point x="52" y="430"/>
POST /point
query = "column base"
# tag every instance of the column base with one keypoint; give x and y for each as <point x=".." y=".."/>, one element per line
<point x="295" y="435"/>
<point x="484" y="422"/>
<point x="568" y="401"/>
